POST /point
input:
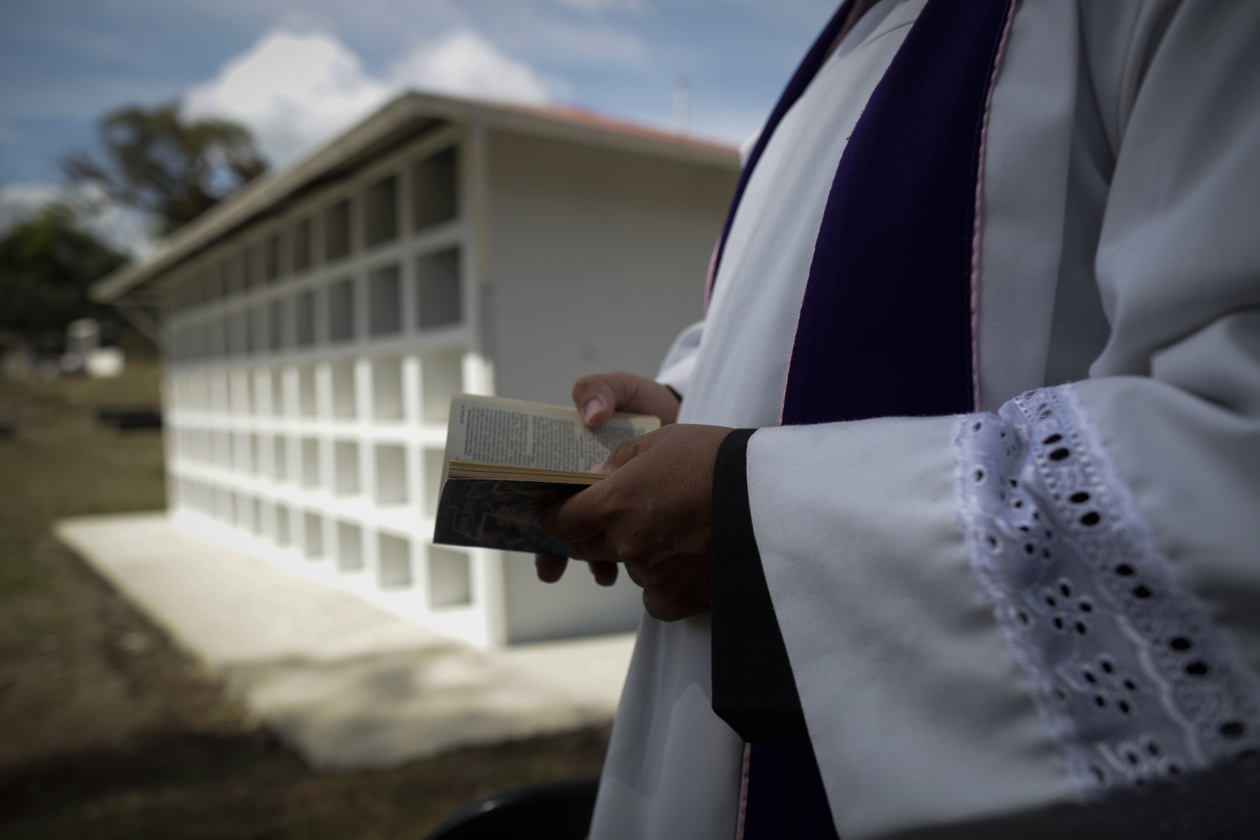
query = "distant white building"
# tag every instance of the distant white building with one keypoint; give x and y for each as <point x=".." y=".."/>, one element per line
<point x="316" y="323"/>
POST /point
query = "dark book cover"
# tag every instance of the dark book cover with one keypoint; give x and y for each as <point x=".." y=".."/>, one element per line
<point x="495" y="513"/>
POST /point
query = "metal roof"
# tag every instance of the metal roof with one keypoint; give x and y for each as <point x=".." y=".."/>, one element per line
<point x="399" y="121"/>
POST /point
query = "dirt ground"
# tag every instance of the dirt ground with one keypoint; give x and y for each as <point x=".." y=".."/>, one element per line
<point x="107" y="730"/>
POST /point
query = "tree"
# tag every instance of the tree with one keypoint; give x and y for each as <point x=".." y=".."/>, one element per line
<point x="166" y="166"/>
<point x="47" y="264"/>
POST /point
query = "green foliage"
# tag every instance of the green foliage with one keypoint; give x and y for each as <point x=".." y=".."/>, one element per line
<point x="166" y="166"/>
<point x="46" y="266"/>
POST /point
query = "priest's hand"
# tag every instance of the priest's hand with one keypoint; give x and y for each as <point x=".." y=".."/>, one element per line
<point x="651" y="514"/>
<point x="597" y="397"/>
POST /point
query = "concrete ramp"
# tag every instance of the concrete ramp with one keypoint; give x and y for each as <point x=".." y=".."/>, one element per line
<point x="345" y="683"/>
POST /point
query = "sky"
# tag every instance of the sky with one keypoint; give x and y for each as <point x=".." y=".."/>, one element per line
<point x="297" y="72"/>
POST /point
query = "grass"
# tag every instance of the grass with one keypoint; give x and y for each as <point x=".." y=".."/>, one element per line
<point x="109" y="731"/>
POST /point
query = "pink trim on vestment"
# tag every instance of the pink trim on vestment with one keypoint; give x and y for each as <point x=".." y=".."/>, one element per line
<point x="977" y="233"/>
<point x="743" y="792"/>
<point x="710" y="275"/>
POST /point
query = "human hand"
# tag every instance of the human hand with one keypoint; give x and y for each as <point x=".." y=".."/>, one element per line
<point x="597" y="397"/>
<point x="651" y="514"/>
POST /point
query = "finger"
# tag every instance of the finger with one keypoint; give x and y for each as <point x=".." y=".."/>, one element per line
<point x="575" y="519"/>
<point x="549" y="569"/>
<point x="598" y="396"/>
<point x="605" y="573"/>
<point x="595" y="550"/>
<point x="626" y="451"/>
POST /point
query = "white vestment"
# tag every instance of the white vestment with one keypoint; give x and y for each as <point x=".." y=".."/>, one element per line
<point x="991" y="637"/>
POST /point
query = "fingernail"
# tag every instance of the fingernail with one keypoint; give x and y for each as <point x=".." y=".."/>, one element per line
<point x="591" y="407"/>
<point x="602" y="469"/>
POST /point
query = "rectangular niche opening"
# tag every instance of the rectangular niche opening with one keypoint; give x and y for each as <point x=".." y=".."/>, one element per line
<point x="219" y="402"/>
<point x="438" y="302"/>
<point x="349" y="547"/>
<point x="394" y="562"/>
<point x="280" y="459"/>
<point x="223" y="505"/>
<point x="306" y="319"/>
<point x="238" y="333"/>
<point x="387" y="389"/>
<point x="232" y="280"/>
<point x="257" y="330"/>
<point x="337" y="230"/>
<point x="274" y="247"/>
<point x="381" y="212"/>
<point x="256" y="517"/>
<point x="347" y="468"/>
<point x="259" y="381"/>
<point x="201" y="392"/>
<point x="244" y="511"/>
<point x="435" y="193"/>
<point x="241" y="393"/>
<point x="302" y="245"/>
<point x="282" y="531"/>
<point x="216" y="338"/>
<point x="391" y="474"/>
<point x="341" y="311"/>
<point x="441" y="376"/>
<point x="450" y="578"/>
<point x="241" y="452"/>
<point x="307" y="395"/>
<point x="312" y="535"/>
<point x="276" y="378"/>
<point x="214" y="282"/>
<point x="434" y="463"/>
<point x="385" y="301"/>
<point x="251" y="266"/>
<point x="255" y="454"/>
<point x="223" y="449"/>
<point x="343" y="402"/>
<point x="310" y="462"/>
<point x="275" y="325"/>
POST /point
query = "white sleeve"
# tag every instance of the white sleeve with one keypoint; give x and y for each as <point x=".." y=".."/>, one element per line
<point x="994" y="619"/>
<point x="680" y="361"/>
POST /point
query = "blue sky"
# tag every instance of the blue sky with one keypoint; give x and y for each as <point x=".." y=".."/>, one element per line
<point x="296" y="71"/>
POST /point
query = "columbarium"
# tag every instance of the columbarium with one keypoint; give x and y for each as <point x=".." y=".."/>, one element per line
<point x="316" y="323"/>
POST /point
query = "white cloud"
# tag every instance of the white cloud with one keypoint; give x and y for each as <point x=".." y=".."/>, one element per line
<point x="123" y="228"/>
<point x="296" y="90"/>
<point x="19" y="202"/>
<point x="120" y="227"/>
<point x="291" y="90"/>
<point x="466" y="64"/>
<point x="602" y="5"/>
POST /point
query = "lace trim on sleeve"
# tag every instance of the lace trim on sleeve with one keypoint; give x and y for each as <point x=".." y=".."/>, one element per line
<point x="1152" y="707"/>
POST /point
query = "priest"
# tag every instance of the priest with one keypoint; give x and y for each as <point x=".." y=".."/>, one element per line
<point x="955" y="533"/>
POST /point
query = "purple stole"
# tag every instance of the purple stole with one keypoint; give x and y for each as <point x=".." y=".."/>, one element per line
<point x="886" y="326"/>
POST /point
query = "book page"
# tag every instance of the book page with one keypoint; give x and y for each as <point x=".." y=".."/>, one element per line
<point x="490" y="430"/>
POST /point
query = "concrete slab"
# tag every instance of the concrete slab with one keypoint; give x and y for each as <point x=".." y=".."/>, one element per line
<point x="344" y="682"/>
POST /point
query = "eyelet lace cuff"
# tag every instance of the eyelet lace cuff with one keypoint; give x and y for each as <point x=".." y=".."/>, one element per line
<point x="1151" y="705"/>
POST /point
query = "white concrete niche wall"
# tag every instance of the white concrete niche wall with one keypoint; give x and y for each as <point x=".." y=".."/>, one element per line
<point x="315" y="350"/>
<point x="349" y="547"/>
<point x="449" y="578"/>
<point x="393" y="563"/>
<point x="388" y="393"/>
<point x="441" y="377"/>
<point x="391" y="475"/>
<point x="312" y="535"/>
<point x="344" y="405"/>
<point x="347" y="480"/>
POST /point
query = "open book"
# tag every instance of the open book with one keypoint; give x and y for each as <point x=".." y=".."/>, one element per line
<point x="506" y="461"/>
